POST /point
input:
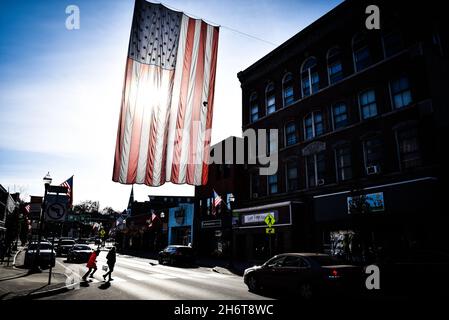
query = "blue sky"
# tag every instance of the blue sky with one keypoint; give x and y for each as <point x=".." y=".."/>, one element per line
<point x="60" y="90"/>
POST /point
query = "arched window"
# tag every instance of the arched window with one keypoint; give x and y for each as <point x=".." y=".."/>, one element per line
<point x="270" y="98"/>
<point x="291" y="175"/>
<point x="339" y="115"/>
<point x="309" y="77"/>
<point x="373" y="153"/>
<point x="287" y="89"/>
<point x="343" y="161"/>
<point x="368" y="104"/>
<point x="401" y="95"/>
<point x="392" y="43"/>
<point x="291" y="133"/>
<point x="334" y="65"/>
<point x="361" y="52"/>
<point x="313" y="125"/>
<point x="253" y="108"/>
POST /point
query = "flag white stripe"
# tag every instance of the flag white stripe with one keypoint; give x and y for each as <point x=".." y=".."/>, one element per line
<point x="176" y="95"/>
<point x="148" y="105"/>
<point x="162" y="110"/>
<point x="129" y="105"/>
<point x="185" y="147"/>
<point x="205" y="95"/>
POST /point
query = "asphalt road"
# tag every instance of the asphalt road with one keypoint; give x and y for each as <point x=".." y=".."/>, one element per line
<point x="139" y="278"/>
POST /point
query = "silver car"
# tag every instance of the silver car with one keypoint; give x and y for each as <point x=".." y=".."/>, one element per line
<point x="46" y="254"/>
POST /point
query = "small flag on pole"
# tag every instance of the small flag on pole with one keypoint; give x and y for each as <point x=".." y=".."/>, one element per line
<point x="166" y="111"/>
<point x="69" y="185"/>
<point x="217" y="200"/>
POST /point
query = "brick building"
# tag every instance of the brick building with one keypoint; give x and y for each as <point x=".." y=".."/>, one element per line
<point x="362" y="116"/>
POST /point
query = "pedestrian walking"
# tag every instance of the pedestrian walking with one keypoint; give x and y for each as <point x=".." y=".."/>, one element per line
<point x="111" y="263"/>
<point x="92" y="265"/>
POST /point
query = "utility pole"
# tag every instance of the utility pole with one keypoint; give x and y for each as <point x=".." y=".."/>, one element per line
<point x="36" y="263"/>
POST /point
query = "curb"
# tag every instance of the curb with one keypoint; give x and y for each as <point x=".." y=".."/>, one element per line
<point x="222" y="270"/>
<point x="39" y="294"/>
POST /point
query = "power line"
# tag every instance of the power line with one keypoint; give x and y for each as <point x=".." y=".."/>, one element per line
<point x="220" y="25"/>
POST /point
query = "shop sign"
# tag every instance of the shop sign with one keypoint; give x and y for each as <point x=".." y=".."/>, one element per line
<point x="211" y="224"/>
<point x="258" y="217"/>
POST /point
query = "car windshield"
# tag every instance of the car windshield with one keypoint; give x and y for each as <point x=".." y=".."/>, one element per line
<point x="81" y="248"/>
<point x="43" y="246"/>
<point x="277" y="260"/>
<point x="325" y="260"/>
<point x="67" y="242"/>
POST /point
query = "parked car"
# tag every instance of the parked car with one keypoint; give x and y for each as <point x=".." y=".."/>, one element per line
<point x="79" y="253"/>
<point x="64" y="246"/>
<point x="82" y="241"/>
<point x="176" y="254"/>
<point x="308" y="274"/>
<point x="46" y="254"/>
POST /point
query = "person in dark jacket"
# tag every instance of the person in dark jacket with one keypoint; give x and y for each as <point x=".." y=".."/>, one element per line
<point x="92" y="264"/>
<point x="111" y="263"/>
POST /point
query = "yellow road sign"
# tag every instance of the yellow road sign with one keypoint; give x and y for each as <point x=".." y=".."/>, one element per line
<point x="269" y="230"/>
<point x="270" y="220"/>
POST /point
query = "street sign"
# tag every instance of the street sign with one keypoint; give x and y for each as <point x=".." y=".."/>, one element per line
<point x="269" y="230"/>
<point x="55" y="207"/>
<point x="57" y="189"/>
<point x="270" y="220"/>
<point x="55" y="212"/>
<point x="102" y="233"/>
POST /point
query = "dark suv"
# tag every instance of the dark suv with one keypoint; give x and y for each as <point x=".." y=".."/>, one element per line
<point x="64" y="246"/>
<point x="176" y="254"/>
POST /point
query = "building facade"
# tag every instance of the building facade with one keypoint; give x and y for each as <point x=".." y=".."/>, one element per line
<point x="148" y="228"/>
<point x="214" y="222"/>
<point x="362" y="117"/>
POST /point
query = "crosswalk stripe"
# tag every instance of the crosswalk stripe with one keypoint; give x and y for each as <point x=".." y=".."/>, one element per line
<point x="170" y="270"/>
<point x="162" y="276"/>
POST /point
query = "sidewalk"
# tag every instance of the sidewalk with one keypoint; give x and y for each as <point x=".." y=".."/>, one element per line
<point x="16" y="283"/>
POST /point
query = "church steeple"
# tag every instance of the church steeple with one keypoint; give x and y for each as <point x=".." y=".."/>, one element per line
<point x="131" y="198"/>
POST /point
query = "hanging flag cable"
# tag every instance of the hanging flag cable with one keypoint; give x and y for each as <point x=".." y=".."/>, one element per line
<point x="220" y="25"/>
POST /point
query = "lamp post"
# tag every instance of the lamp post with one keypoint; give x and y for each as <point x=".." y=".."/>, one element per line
<point x="231" y="252"/>
<point x="36" y="263"/>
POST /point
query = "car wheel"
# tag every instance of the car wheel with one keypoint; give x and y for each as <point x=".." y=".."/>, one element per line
<point x="305" y="291"/>
<point x="253" y="284"/>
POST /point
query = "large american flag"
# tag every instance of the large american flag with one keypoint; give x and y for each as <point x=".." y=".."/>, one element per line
<point x="69" y="185"/>
<point x="167" y="102"/>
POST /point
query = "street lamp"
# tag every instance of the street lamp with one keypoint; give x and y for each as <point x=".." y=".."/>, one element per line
<point x="231" y="200"/>
<point x="36" y="263"/>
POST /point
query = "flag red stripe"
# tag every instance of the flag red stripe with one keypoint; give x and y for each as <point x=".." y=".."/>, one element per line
<point x="183" y="100"/>
<point x="197" y="105"/>
<point x="210" y="106"/>
<point x="164" y="153"/>
<point x="121" y="121"/>
<point x="151" y="150"/>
